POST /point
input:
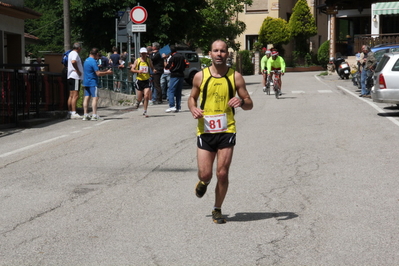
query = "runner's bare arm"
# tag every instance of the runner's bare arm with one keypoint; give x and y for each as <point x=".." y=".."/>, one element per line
<point x="193" y="99"/>
<point x="245" y="101"/>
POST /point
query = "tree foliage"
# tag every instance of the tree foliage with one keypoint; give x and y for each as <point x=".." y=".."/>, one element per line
<point x="323" y="53"/>
<point x="193" y="22"/>
<point x="302" y="25"/>
<point x="274" y="31"/>
<point x="220" y="21"/>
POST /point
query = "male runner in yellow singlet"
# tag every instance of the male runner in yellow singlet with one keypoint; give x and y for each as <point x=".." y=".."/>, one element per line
<point x="216" y="87"/>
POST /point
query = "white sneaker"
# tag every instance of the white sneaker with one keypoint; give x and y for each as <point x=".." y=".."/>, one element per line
<point x="150" y="102"/>
<point x="96" y="118"/>
<point x="264" y="89"/>
<point x="171" y="109"/>
<point x="86" y="118"/>
<point x="75" y="116"/>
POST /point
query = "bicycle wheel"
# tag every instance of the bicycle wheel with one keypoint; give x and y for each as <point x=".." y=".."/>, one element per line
<point x="267" y="90"/>
<point x="276" y="90"/>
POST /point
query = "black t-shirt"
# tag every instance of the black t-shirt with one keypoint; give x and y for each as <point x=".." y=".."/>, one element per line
<point x="176" y="65"/>
<point x="157" y="62"/>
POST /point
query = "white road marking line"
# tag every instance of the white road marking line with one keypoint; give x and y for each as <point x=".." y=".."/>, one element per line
<point x="31" y="146"/>
<point x="393" y="120"/>
<point x="47" y="141"/>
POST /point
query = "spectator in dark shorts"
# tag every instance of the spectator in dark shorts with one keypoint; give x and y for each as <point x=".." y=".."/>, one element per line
<point x="74" y="76"/>
<point x="142" y="67"/>
<point x="115" y="57"/>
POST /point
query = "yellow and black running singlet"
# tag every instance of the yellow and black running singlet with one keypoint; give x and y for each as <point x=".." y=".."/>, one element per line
<point x="215" y="93"/>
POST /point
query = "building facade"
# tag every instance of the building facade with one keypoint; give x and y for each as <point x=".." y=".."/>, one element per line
<point x="12" y="36"/>
<point x="340" y="21"/>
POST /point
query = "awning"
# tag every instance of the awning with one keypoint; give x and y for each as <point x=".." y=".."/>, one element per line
<point x="386" y="8"/>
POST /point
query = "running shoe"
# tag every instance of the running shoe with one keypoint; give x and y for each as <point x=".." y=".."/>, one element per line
<point x="217" y="216"/>
<point x="96" y="118"/>
<point x="200" y="189"/>
<point x="86" y="118"/>
<point x="136" y="105"/>
<point x="171" y="109"/>
<point x="75" y="116"/>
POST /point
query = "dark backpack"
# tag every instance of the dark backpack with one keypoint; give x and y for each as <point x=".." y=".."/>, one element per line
<point x="64" y="60"/>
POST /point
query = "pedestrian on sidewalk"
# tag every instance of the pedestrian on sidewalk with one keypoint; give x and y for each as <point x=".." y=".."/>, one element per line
<point x="367" y="63"/>
<point x="176" y="65"/>
<point x="74" y="77"/>
<point x="216" y="88"/>
<point x="90" y="83"/>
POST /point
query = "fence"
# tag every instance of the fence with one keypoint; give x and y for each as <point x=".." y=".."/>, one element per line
<point x="374" y="39"/>
<point x="27" y="94"/>
<point x="120" y="81"/>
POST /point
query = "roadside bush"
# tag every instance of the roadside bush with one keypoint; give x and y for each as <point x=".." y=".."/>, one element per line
<point x="323" y="53"/>
<point x="247" y="66"/>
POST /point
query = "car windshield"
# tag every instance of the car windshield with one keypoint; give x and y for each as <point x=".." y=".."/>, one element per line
<point x="379" y="54"/>
<point x="382" y="63"/>
<point x="191" y="57"/>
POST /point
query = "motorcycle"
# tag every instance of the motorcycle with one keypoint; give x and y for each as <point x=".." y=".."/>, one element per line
<point x="341" y="66"/>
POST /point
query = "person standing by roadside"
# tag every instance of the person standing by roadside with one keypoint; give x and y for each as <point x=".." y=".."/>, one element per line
<point x="158" y="63"/>
<point x="176" y="65"/>
<point x="367" y="63"/>
<point x="74" y="77"/>
<point x="165" y="78"/>
<point x="142" y="66"/>
<point x="115" y="57"/>
<point x="216" y="88"/>
<point x="90" y="83"/>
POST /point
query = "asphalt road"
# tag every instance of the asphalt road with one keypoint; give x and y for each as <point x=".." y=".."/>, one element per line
<point x="313" y="182"/>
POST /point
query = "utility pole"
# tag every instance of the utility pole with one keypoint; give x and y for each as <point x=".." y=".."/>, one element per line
<point x="67" y="28"/>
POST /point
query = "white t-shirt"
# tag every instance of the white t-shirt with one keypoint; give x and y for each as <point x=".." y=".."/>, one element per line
<point x="73" y="55"/>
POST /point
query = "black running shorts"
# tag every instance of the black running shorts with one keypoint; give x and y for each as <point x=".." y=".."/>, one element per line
<point x="142" y="84"/>
<point x="74" y="84"/>
<point x="214" y="142"/>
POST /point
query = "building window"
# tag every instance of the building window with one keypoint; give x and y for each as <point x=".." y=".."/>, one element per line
<point x="258" y="6"/>
<point x="250" y="40"/>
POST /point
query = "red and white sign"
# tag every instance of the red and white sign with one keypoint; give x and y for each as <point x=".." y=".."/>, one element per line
<point x="138" y="14"/>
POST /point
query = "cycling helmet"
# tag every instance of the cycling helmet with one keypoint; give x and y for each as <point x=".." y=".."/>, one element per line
<point x="268" y="52"/>
<point x="274" y="53"/>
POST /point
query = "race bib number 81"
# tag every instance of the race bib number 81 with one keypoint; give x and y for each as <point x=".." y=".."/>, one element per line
<point x="215" y="123"/>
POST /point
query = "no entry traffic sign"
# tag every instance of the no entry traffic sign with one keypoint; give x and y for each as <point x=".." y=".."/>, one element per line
<point x="138" y="14"/>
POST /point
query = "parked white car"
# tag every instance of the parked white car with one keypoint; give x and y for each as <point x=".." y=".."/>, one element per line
<point x="386" y="79"/>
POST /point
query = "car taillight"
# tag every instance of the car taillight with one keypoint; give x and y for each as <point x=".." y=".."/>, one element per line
<point x="382" y="82"/>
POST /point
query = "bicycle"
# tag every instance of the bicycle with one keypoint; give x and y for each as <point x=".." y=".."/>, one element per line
<point x="268" y="81"/>
<point x="276" y="83"/>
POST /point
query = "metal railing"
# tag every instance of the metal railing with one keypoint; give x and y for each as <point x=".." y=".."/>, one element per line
<point x="121" y="81"/>
<point x="28" y="94"/>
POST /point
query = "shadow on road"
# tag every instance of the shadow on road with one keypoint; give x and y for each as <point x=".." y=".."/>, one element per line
<point x="254" y="216"/>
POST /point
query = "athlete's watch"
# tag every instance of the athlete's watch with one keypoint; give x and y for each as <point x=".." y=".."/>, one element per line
<point x="242" y="102"/>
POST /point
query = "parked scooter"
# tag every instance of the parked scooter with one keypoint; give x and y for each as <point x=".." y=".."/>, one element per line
<point x="341" y="66"/>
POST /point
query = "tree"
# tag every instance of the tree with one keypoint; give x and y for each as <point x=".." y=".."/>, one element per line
<point x="192" y="22"/>
<point x="221" y="22"/>
<point x="274" y="31"/>
<point x="302" y="26"/>
<point x="49" y="28"/>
